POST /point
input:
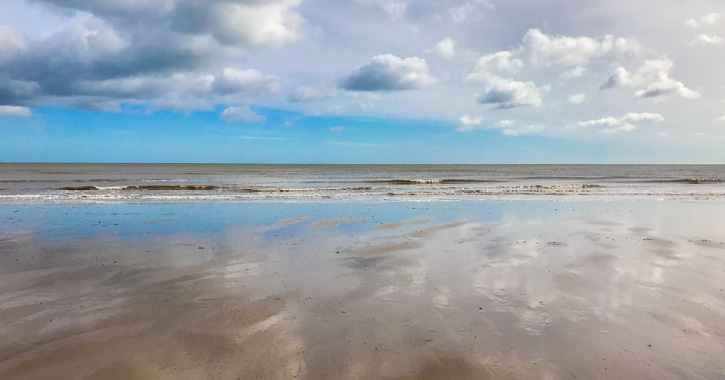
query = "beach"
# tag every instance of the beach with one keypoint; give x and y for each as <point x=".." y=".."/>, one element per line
<point x="525" y="289"/>
<point x="362" y="190"/>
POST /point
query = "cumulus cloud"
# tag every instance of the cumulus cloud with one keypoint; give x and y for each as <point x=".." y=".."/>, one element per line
<point x="708" y="19"/>
<point x="469" y="123"/>
<point x="711" y="19"/>
<point x="505" y="93"/>
<point x="495" y="63"/>
<point x="460" y="12"/>
<point x="706" y="39"/>
<point x="446" y="48"/>
<point x="143" y="44"/>
<point x="243" y="114"/>
<point x="573" y="51"/>
<point x="229" y="22"/>
<point x="625" y="123"/>
<point x="389" y="73"/>
<point x="232" y="81"/>
<point x="652" y="79"/>
<point x="14" y="111"/>
<point x="577" y="98"/>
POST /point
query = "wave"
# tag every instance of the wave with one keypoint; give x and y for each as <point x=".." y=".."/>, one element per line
<point x="431" y="181"/>
<point x="552" y="189"/>
<point x="557" y="189"/>
<point x="696" y="181"/>
<point x="214" y="187"/>
<point x="303" y="189"/>
<point x="145" y="187"/>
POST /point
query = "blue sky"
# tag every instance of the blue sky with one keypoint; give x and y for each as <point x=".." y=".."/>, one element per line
<point x="362" y="81"/>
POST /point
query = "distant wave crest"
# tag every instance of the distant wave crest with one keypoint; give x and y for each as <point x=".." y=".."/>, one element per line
<point x="145" y="187"/>
<point x="431" y="181"/>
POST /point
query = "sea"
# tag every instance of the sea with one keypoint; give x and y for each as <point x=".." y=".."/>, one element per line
<point x="367" y="183"/>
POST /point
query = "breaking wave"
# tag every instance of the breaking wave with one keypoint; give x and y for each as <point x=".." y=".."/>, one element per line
<point x="431" y="181"/>
<point x="146" y="187"/>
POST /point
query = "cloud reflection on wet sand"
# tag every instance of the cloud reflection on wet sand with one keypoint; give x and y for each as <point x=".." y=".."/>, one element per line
<point x="595" y="293"/>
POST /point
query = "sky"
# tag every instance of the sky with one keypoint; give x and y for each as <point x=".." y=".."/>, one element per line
<point x="362" y="81"/>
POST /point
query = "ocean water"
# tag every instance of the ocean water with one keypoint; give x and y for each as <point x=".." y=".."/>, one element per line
<point x="175" y="182"/>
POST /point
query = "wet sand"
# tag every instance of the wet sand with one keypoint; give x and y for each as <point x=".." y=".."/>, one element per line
<point x="511" y="290"/>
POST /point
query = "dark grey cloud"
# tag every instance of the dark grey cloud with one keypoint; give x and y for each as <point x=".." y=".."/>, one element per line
<point x="145" y="51"/>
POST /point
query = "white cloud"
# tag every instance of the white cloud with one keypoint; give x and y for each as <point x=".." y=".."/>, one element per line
<point x="446" y="48"/>
<point x="505" y="93"/>
<point x="269" y="23"/>
<point x="706" y="39"/>
<point x="573" y="51"/>
<point x="469" y="123"/>
<point x="625" y="123"/>
<point x="15" y="111"/>
<point x="500" y="62"/>
<point x="525" y="130"/>
<point x="721" y="118"/>
<point x="461" y="12"/>
<point x="692" y="23"/>
<point x="394" y="8"/>
<point x="620" y="129"/>
<point x="577" y="98"/>
<point x="390" y="73"/>
<point x="337" y="129"/>
<point x="308" y="95"/>
<point x="653" y="79"/>
<point x="709" y="19"/>
<point x="242" y="113"/>
<point x="245" y="81"/>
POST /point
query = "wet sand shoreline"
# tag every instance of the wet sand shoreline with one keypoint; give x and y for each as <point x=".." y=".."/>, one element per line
<point x="553" y="290"/>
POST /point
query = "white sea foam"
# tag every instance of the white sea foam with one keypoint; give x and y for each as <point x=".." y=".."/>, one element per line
<point x="570" y="190"/>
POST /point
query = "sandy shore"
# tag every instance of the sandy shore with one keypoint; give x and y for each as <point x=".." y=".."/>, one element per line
<point x="511" y="290"/>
